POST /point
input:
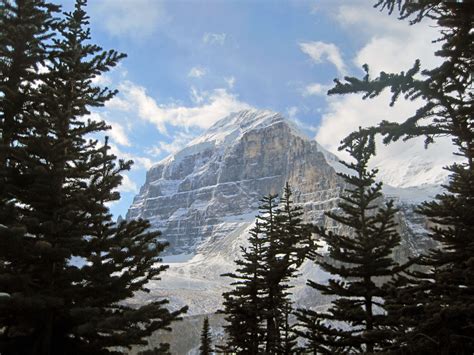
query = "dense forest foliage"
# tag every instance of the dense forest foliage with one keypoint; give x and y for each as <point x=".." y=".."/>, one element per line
<point x="67" y="268"/>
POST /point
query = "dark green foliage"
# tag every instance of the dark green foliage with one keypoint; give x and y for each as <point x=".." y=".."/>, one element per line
<point x="446" y="89"/>
<point x="361" y="259"/>
<point x="288" y="338"/>
<point x="56" y="182"/>
<point x="206" y="341"/>
<point x="257" y="309"/>
<point x="436" y="307"/>
<point x="243" y="306"/>
<point x="288" y="244"/>
<point x="25" y="29"/>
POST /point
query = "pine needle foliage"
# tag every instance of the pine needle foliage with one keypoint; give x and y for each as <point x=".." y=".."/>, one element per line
<point x="64" y="179"/>
<point x="360" y="260"/>
<point x="206" y="341"/>
<point x="258" y="308"/>
<point x="436" y="307"/>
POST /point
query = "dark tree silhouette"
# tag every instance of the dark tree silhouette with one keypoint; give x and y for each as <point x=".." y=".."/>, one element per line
<point x="56" y="182"/>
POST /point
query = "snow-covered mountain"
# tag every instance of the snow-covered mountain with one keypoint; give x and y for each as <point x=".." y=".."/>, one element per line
<point x="212" y="187"/>
<point x="205" y="198"/>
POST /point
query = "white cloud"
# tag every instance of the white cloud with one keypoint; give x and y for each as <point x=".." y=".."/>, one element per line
<point x="139" y="162"/>
<point x="197" y="96"/>
<point x="391" y="46"/>
<point x="214" y="38"/>
<point x="146" y="107"/>
<point x="319" y="51"/>
<point x="133" y="18"/>
<point x="347" y="113"/>
<point x="316" y="89"/>
<point x="127" y="185"/>
<point x="102" y="80"/>
<point x="197" y="72"/>
<point x="401" y="163"/>
<point x="292" y="112"/>
<point x="117" y="132"/>
<point x="118" y="104"/>
<point x="180" y="140"/>
<point x="230" y="81"/>
<point x="210" y="107"/>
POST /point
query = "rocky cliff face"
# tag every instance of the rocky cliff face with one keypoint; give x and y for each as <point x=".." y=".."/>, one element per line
<point x="205" y="198"/>
<point x="213" y="186"/>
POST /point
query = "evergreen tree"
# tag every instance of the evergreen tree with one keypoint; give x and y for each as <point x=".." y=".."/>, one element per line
<point x="243" y="306"/>
<point x="258" y="308"/>
<point x="436" y="308"/>
<point x="25" y="27"/>
<point x="361" y="258"/>
<point x="55" y="307"/>
<point x="288" y="342"/>
<point x="289" y="241"/>
<point x="206" y="341"/>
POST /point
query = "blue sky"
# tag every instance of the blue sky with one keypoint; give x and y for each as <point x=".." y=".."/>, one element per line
<point x="192" y="62"/>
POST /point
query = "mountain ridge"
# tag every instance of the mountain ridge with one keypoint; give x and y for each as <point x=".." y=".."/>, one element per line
<point x="205" y="199"/>
<point x="219" y="177"/>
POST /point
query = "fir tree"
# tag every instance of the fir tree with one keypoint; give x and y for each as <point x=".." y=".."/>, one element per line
<point x="25" y="27"/>
<point x="54" y="306"/>
<point x="243" y="306"/>
<point x="361" y="259"/>
<point x="288" y="342"/>
<point x="206" y="341"/>
<point x="289" y="240"/>
<point x="259" y="304"/>
<point x="436" y="308"/>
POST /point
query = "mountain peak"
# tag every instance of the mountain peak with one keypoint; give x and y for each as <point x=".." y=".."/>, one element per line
<point x="228" y="130"/>
<point x="233" y="126"/>
<point x="246" y="119"/>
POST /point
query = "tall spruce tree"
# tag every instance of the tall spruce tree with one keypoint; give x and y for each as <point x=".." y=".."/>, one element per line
<point x="361" y="258"/>
<point x="244" y="305"/>
<point x="259" y="304"/>
<point x="289" y="241"/>
<point x="289" y="339"/>
<point x="436" y="308"/>
<point x="206" y="342"/>
<point x="53" y="306"/>
<point x="25" y="28"/>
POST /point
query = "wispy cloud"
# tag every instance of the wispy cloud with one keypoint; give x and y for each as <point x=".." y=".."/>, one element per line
<point x="345" y="113"/>
<point x="116" y="131"/>
<point x="230" y="81"/>
<point x="214" y="38"/>
<point x="292" y="112"/>
<point x="197" y="72"/>
<point x="382" y="51"/>
<point x="118" y="134"/>
<point x="127" y="185"/>
<point x="316" y="89"/>
<point x="209" y="107"/>
<point x="132" y="18"/>
<point x="179" y="141"/>
<point x="320" y="51"/>
<point x="139" y="161"/>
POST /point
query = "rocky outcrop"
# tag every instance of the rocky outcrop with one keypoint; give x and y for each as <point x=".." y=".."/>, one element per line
<point x="205" y="198"/>
<point x="213" y="186"/>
